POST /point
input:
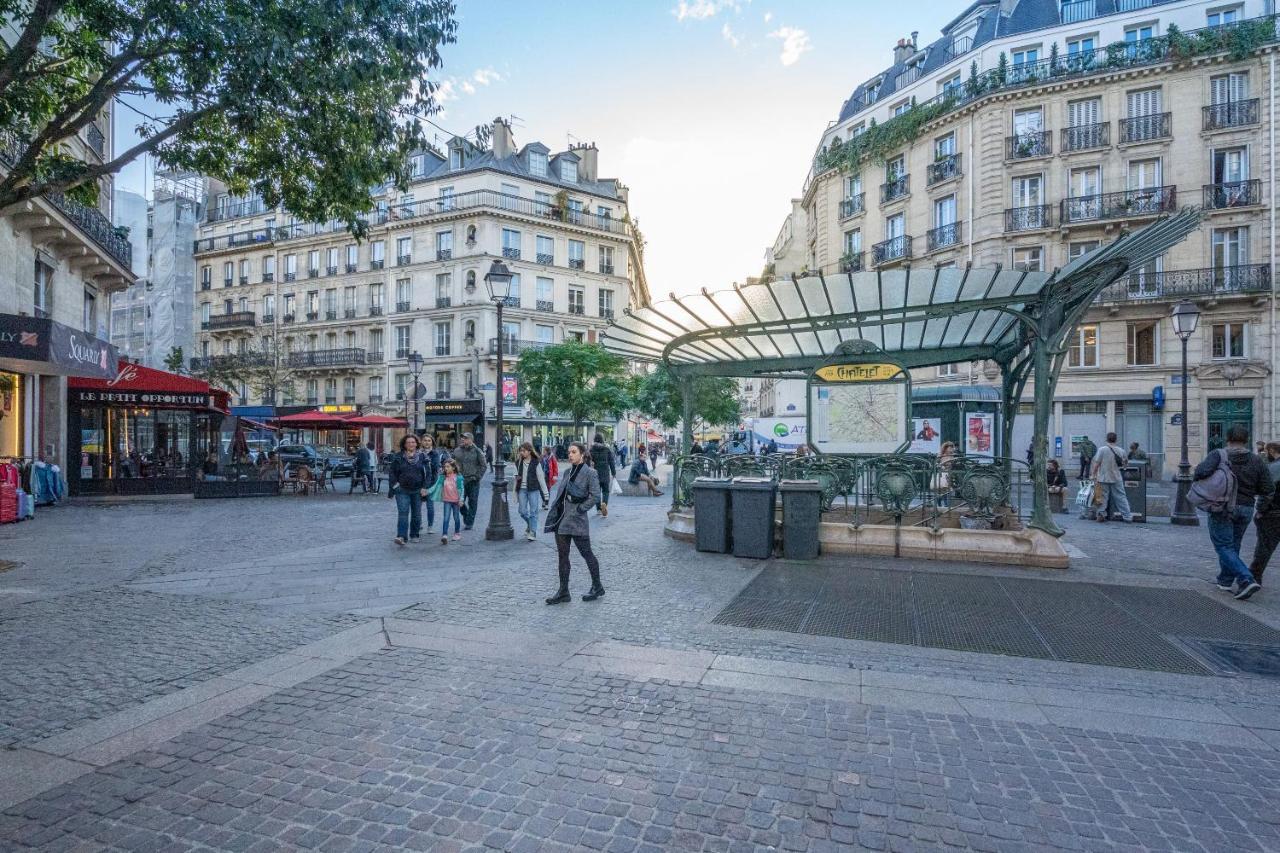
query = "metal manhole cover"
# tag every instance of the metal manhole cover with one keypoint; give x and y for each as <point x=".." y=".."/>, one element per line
<point x="1245" y="658"/>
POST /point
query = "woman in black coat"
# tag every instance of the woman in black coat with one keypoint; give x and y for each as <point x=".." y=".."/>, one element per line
<point x="575" y="493"/>
<point x="407" y="481"/>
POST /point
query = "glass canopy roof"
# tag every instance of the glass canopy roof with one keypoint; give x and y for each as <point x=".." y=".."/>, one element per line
<point x="922" y="317"/>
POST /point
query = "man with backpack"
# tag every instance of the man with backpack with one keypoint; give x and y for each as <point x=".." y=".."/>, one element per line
<point x="1107" y="473"/>
<point x="1227" y="483"/>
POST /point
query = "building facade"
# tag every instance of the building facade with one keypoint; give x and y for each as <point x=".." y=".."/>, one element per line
<point x="60" y="261"/>
<point x="339" y="319"/>
<point x="1034" y="131"/>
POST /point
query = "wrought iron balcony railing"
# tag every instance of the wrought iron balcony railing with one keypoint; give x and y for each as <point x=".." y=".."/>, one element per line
<point x="515" y="346"/>
<point x="577" y="309"/>
<point x="375" y="310"/>
<point x="402" y="306"/>
<point x="853" y="205"/>
<point x="544" y="258"/>
<point x="441" y="255"/>
<point x="1149" y="201"/>
<point x="1033" y="143"/>
<point x="377" y="264"/>
<point x="1174" y="285"/>
<point x="338" y="357"/>
<point x="1231" y="114"/>
<point x="444" y="301"/>
<point x="606" y="269"/>
<point x="511" y="252"/>
<point x="442" y="350"/>
<point x="943" y="169"/>
<point x="577" y="263"/>
<point x="234" y="320"/>
<point x="1233" y="194"/>
<point x="544" y="305"/>
<point x="373" y="357"/>
<point x="1146" y="128"/>
<point x="894" y="188"/>
<point x="943" y="236"/>
<point x="1027" y="218"/>
<point x="403" y="260"/>
<point x="351" y="267"/>
<point x="1085" y="137"/>
<point x="893" y="249"/>
<point x="330" y="270"/>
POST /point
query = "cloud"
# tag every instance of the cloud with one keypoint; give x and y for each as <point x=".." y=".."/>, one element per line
<point x="768" y="16"/>
<point x="453" y="88"/>
<point x="795" y="43"/>
<point x="729" y="35"/>
<point x="485" y="76"/>
<point x="701" y="10"/>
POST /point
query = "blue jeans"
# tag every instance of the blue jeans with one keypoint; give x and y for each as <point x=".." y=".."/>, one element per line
<point x="1117" y="501"/>
<point x="529" y="503"/>
<point x="1225" y="532"/>
<point x="451" y="511"/>
<point x="408" y="514"/>
<point x="431" y="513"/>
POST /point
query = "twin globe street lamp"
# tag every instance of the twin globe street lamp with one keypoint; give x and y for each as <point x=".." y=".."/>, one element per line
<point x="1185" y="317"/>
<point x="415" y="367"/>
<point x="498" y="282"/>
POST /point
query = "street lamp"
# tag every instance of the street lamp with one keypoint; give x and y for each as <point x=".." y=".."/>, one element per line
<point x="498" y="281"/>
<point x="415" y="365"/>
<point x="1185" y="317"/>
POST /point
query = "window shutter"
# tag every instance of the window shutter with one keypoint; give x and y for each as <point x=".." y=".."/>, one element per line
<point x="1144" y="103"/>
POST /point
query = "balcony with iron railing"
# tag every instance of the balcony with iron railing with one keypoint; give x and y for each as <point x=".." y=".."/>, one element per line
<point x="312" y="316"/>
<point x="1028" y="218"/>
<point x="444" y="301"/>
<point x="1175" y="285"/>
<point x="330" y="270"/>
<point x="1147" y="128"/>
<point x="1233" y="194"/>
<point x="515" y="346"/>
<point x="510" y="301"/>
<point x="546" y="259"/>
<point x="1028" y="145"/>
<point x="577" y="263"/>
<point x="252" y="207"/>
<point x="348" y="313"/>
<point x="895" y="188"/>
<point x="402" y="352"/>
<point x="943" y="168"/>
<point x="240" y="359"/>
<point x="577" y="309"/>
<point x="331" y="314"/>
<point x="606" y="313"/>
<point x="268" y="277"/>
<point x="544" y="305"/>
<point x="443" y="254"/>
<point x="373" y="357"/>
<point x="234" y="320"/>
<point x="351" y="267"/>
<point x="441" y="350"/>
<point x="401" y="307"/>
<point x="511" y="253"/>
<point x="892" y="250"/>
<point x="377" y="264"/>
<point x="268" y="319"/>
<point x="404" y="260"/>
<point x="375" y="310"/>
<point x="1148" y="201"/>
<point x="313" y="272"/>
<point x="853" y="205"/>
<point x="335" y="357"/>
<point x="288" y="318"/>
<point x="605" y="268"/>
<point x="943" y="237"/>
<point x="1231" y="114"/>
<point x="1086" y="137"/>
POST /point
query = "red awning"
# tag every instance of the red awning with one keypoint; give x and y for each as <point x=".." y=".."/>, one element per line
<point x="135" y="377"/>
<point x="252" y="424"/>
<point x="314" y="419"/>
<point x="377" y="421"/>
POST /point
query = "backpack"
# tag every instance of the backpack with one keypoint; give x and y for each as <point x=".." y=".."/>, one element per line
<point x="1217" y="492"/>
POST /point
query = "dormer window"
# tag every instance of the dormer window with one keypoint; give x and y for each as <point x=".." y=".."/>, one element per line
<point x="418" y="166"/>
<point x="538" y="164"/>
<point x="455" y="158"/>
<point x="569" y="171"/>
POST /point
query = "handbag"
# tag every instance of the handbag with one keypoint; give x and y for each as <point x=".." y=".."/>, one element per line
<point x="1085" y="495"/>
<point x="576" y="491"/>
<point x="1099" y="494"/>
<point x="615" y="488"/>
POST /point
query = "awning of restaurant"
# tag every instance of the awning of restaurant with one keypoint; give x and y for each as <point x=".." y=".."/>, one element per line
<point x="135" y="385"/>
<point x="314" y="419"/>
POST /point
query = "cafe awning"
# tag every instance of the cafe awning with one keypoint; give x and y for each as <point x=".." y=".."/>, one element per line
<point x="314" y="419"/>
<point x="135" y="385"/>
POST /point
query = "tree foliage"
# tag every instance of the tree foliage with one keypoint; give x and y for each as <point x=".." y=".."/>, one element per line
<point x="578" y="379"/>
<point x="308" y="102"/>
<point x="715" y="399"/>
<point x="265" y="373"/>
<point x="174" y="361"/>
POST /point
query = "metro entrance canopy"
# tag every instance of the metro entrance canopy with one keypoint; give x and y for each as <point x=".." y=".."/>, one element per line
<point x="1019" y="320"/>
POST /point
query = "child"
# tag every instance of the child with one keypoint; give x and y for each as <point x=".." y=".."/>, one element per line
<point x="449" y="491"/>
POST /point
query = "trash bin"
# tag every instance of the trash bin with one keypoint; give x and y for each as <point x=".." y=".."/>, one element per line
<point x="801" y="514"/>
<point x="711" y="514"/>
<point x="752" y="502"/>
<point x="1135" y="488"/>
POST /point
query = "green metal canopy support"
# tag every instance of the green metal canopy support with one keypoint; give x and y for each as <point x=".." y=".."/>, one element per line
<point x="686" y="412"/>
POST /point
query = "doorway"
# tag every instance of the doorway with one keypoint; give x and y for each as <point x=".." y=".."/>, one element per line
<point x="1225" y="414"/>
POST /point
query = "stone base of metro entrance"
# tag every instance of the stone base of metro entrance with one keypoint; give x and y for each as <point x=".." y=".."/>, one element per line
<point x="1030" y="548"/>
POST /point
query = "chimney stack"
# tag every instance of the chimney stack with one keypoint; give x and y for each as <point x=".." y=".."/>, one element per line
<point x="503" y="141"/>
<point x="903" y="51"/>
<point x="587" y="165"/>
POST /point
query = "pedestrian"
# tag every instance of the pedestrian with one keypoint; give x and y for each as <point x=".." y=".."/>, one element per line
<point x="622" y="453"/>
<point x="569" y="519"/>
<point x="550" y="466"/>
<point x="1228" y="523"/>
<point x="537" y="446"/>
<point x="697" y="448"/>
<point x="1031" y="454"/>
<point x="449" y="489"/>
<point x="1261" y="448"/>
<point x="602" y="460"/>
<point x="1267" y="521"/>
<point x="433" y="459"/>
<point x="365" y="465"/>
<point x="1057" y="479"/>
<point x="1087" y="451"/>
<point x="562" y="449"/>
<point x="471" y="465"/>
<point x="1137" y="454"/>
<point x="640" y="472"/>
<point x="1106" y="472"/>
<point x="531" y="488"/>
<point x="407" y="481"/>
<point x="488" y="456"/>
<point x="802" y="450"/>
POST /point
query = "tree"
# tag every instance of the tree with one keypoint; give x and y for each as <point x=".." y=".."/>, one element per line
<point x="579" y="379"/>
<point x="308" y="102"/>
<point x="715" y="399"/>
<point x="261" y="374"/>
<point x="173" y="362"/>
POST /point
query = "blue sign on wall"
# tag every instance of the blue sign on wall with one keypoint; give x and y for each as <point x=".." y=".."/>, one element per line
<point x="1057" y="446"/>
<point x="1157" y="398"/>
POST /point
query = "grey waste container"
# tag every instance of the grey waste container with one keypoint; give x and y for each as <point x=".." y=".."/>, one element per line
<point x="1135" y="488"/>
<point x="711" y="514"/>
<point x="801" y="513"/>
<point x="751" y="504"/>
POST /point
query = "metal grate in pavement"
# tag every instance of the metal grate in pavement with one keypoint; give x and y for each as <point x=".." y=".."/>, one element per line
<point x="1245" y="658"/>
<point x="1133" y="627"/>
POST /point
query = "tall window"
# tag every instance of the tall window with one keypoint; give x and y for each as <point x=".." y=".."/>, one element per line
<point x="332" y="255"/>
<point x="349" y="301"/>
<point x="446" y="199"/>
<point x="577" y="300"/>
<point x="1082" y="347"/>
<point x="206" y="277"/>
<point x="1029" y="258"/>
<point x="404" y="249"/>
<point x="569" y="171"/>
<point x="403" y="341"/>
<point x="510" y="243"/>
<point x="544" y="334"/>
<point x="375" y="298"/>
<point x="402" y="386"/>
<point x="268" y="267"/>
<point x="330" y="391"/>
<point x="543" y="293"/>
<point x="1227" y="88"/>
<point x="895" y="227"/>
<point x="606" y="303"/>
<point x="853" y="243"/>
<point x="41" y="292"/>
<point x="444" y="289"/>
<point x="1026" y="191"/>
<point x="353" y="257"/>
<point x="944" y="212"/>
<point x="546" y="249"/>
<point x="313" y="392"/>
<point x="895" y="168"/>
<point x="606" y="259"/>
<point x="1223" y="17"/>
<point x="510" y="193"/>
<point x="442" y="384"/>
<point x="313" y="262"/>
<point x="538" y="164"/>
<point x="404" y="291"/>
<point x="1229" y="339"/>
<point x="375" y="389"/>
<point x="228" y="273"/>
<point x="1135" y="37"/>
<point x="944" y="146"/>
<point x="89" y="314"/>
<point x="349" y="389"/>
<point x="377" y="254"/>
<point x="577" y="253"/>
<point x="1143" y="342"/>
<point x="442" y="336"/>
<point x="269" y="307"/>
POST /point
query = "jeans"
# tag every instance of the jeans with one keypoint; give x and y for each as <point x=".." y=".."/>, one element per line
<point x="529" y="502"/>
<point x="471" y="501"/>
<point x="1268" y="529"/>
<point x="1085" y="464"/>
<point x="584" y="548"/>
<point x="430" y="506"/>
<point x="451" y="511"/>
<point x="1225" y="532"/>
<point x="604" y="489"/>
<point x="1115" y="500"/>
<point x="408" y="514"/>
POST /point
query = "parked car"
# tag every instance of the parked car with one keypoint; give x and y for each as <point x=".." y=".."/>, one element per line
<point x="339" y="463"/>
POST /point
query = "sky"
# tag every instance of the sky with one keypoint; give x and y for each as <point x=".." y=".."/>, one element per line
<point x="708" y="110"/>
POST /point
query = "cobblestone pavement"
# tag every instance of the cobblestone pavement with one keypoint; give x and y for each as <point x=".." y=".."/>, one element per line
<point x="112" y="606"/>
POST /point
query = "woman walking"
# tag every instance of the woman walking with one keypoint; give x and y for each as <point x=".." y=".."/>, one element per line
<point x="432" y="457"/>
<point x="569" y="519"/>
<point x="602" y="460"/>
<point x="531" y="488"/>
<point x="407" y="476"/>
<point x="449" y="490"/>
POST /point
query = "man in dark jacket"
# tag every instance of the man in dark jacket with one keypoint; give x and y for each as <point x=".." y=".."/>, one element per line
<point x="1226" y="529"/>
<point x="1267" y="520"/>
<point x="603" y="461"/>
<point x="471" y="465"/>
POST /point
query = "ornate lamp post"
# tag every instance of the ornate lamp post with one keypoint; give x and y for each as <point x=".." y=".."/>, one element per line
<point x="1185" y="317"/>
<point x="498" y="282"/>
<point x="415" y="365"/>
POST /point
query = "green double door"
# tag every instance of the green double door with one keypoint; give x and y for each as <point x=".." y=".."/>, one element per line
<point x="1225" y="414"/>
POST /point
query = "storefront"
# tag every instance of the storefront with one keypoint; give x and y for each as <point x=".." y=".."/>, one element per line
<point x="142" y="432"/>
<point x="446" y="420"/>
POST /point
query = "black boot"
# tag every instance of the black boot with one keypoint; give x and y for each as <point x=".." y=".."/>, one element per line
<point x="595" y="592"/>
<point x="597" y="588"/>
<point x="562" y="595"/>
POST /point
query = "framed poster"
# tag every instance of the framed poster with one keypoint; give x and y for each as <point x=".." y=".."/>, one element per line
<point x="978" y="433"/>
<point x="511" y="390"/>
<point x="859" y="403"/>
<point x="926" y="435"/>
